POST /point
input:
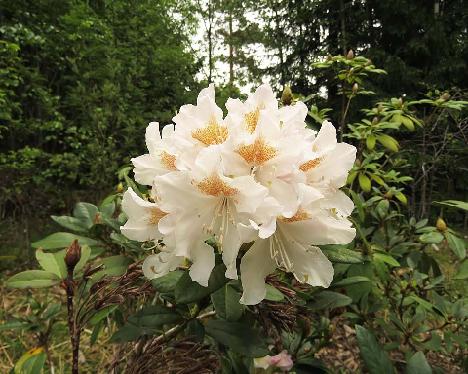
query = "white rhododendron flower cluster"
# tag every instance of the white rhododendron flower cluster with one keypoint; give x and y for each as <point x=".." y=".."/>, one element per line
<point x="257" y="175"/>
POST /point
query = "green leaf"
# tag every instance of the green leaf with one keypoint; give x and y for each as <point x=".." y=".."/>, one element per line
<point x="351" y="280"/>
<point x="101" y="314"/>
<point x="386" y="258"/>
<point x="456" y="244"/>
<point x="187" y="291"/>
<point x="86" y="213"/>
<point x="453" y="203"/>
<point x="32" y="362"/>
<point x="52" y="262"/>
<point x="113" y="266"/>
<point x="388" y="142"/>
<point x="402" y="198"/>
<point x="168" y="282"/>
<point x="33" y="279"/>
<point x="226" y="303"/>
<point x="432" y="237"/>
<point x="329" y="300"/>
<point x="154" y="316"/>
<point x="425" y="304"/>
<point x="273" y="294"/>
<point x="126" y="333"/>
<point x="239" y="337"/>
<point x="364" y="182"/>
<point x="375" y="358"/>
<point x="370" y="142"/>
<point x="14" y="325"/>
<point x="195" y="330"/>
<point x="417" y="364"/>
<point x="462" y="271"/>
<point x="342" y="255"/>
<point x="71" y="223"/>
<point x="85" y="255"/>
<point x="63" y="240"/>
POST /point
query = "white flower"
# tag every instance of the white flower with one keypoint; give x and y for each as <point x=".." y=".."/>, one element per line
<point x="143" y="218"/>
<point x="328" y="162"/>
<point x="161" y="157"/>
<point x="260" y="174"/>
<point x="289" y="247"/>
<point x="206" y="204"/>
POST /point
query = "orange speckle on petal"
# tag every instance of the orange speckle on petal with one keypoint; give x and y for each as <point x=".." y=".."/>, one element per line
<point x="215" y="186"/>
<point x="213" y="133"/>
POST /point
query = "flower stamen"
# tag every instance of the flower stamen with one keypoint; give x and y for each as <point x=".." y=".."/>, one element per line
<point x="215" y="186"/>
<point x="257" y="153"/>
<point x="213" y="133"/>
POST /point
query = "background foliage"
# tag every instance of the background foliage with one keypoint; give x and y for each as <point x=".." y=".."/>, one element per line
<point x="80" y="80"/>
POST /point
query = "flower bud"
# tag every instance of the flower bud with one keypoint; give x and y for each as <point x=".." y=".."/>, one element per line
<point x="445" y="96"/>
<point x="73" y="255"/>
<point x="355" y="87"/>
<point x="287" y="96"/>
<point x="120" y="187"/>
<point x="400" y="101"/>
<point x="375" y="120"/>
<point x="441" y="225"/>
<point x="350" y="54"/>
<point x="388" y="195"/>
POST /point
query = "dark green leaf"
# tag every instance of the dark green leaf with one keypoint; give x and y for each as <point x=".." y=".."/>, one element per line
<point x="417" y="364"/>
<point x="226" y="303"/>
<point x="154" y="316"/>
<point x="329" y="300"/>
<point x="374" y="356"/>
<point x="351" y="280"/>
<point x="239" y="337"/>
<point x="273" y="294"/>
<point x="195" y="329"/>
<point x="386" y="258"/>
<point x="101" y="314"/>
<point x="167" y="283"/>
<point x="126" y="333"/>
<point x="342" y="255"/>
<point x="187" y="291"/>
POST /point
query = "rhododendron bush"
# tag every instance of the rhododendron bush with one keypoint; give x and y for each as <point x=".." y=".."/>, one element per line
<point x="257" y="240"/>
<point x="259" y="176"/>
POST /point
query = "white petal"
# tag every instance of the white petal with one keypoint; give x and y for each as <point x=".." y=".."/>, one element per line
<point x="133" y="205"/>
<point x="230" y="248"/>
<point x="160" y="264"/>
<point x="264" y="97"/>
<point x="310" y="265"/>
<point x="308" y="194"/>
<point x="338" y="201"/>
<point x="256" y="264"/>
<point x="146" y="168"/>
<point x="326" y="138"/>
<point x="153" y="137"/>
<point x="251" y="194"/>
<point x="177" y="193"/>
<point x="320" y="230"/>
<point x="203" y="258"/>
<point x="207" y="92"/>
<point x="286" y="196"/>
